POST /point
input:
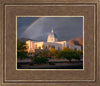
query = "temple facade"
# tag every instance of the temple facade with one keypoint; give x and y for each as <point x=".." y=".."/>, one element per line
<point x="52" y="42"/>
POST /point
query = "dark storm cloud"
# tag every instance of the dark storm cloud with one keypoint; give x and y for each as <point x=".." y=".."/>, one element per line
<point x="64" y="27"/>
<point x="23" y="23"/>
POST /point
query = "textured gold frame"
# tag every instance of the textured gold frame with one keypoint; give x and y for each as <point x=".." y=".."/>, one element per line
<point x="9" y="76"/>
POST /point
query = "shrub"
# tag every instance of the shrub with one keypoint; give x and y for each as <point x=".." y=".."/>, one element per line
<point x="77" y="55"/>
<point x="53" y="52"/>
<point x="22" y="54"/>
<point x="65" y="54"/>
<point x="67" y="49"/>
<point x="40" y="60"/>
<point x="69" y="54"/>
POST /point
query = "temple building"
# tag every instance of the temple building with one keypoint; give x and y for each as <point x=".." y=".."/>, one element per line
<point x="52" y="42"/>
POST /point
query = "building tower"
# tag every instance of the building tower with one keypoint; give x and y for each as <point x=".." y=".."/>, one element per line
<point x="52" y="37"/>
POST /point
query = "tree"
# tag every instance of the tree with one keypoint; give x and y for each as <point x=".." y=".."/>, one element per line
<point x="21" y="47"/>
<point x="61" y="55"/>
<point x="65" y="55"/>
<point x="40" y="60"/>
<point x="22" y="54"/>
<point x="69" y="54"/>
<point x="77" y="55"/>
<point x="53" y="52"/>
<point x="44" y="53"/>
<point x="67" y="49"/>
<point x="80" y="52"/>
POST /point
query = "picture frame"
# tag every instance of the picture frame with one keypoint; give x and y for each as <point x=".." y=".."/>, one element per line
<point x="9" y="76"/>
<point x="49" y="46"/>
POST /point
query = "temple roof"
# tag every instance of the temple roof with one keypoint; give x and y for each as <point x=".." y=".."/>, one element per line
<point x="52" y="34"/>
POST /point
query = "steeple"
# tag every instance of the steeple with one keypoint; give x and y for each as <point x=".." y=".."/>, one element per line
<point x="52" y="30"/>
<point x="52" y="37"/>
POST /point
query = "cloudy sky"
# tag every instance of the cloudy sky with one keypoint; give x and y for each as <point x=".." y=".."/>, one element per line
<point x="38" y="28"/>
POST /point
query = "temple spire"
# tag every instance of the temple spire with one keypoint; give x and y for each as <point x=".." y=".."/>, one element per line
<point x="52" y="37"/>
<point x="52" y="30"/>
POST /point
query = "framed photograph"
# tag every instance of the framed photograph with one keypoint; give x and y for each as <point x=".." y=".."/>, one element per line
<point x="49" y="43"/>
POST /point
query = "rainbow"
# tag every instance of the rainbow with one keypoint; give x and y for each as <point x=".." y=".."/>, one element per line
<point x="31" y="25"/>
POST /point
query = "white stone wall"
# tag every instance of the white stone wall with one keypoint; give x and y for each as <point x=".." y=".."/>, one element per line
<point x="75" y="47"/>
<point x="30" y="45"/>
<point x="68" y="44"/>
<point x="39" y="45"/>
<point x="63" y="43"/>
<point x="56" y="45"/>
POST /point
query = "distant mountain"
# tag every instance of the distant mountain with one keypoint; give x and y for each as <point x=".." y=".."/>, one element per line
<point x="25" y="39"/>
<point x="77" y="41"/>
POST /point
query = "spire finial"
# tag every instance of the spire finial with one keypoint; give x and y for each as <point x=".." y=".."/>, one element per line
<point x="52" y="30"/>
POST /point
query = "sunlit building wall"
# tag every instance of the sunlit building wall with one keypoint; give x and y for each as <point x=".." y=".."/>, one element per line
<point x="52" y="42"/>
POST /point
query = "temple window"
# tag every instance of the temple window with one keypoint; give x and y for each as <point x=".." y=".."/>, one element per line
<point x="46" y="47"/>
